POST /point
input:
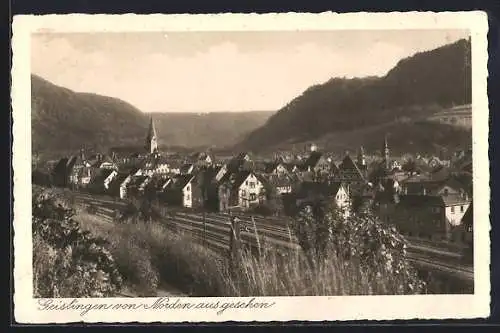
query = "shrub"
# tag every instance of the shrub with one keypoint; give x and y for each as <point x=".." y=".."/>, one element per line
<point x="67" y="261"/>
<point x="376" y="247"/>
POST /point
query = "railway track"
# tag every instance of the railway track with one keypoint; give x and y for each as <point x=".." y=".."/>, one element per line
<point x="213" y="230"/>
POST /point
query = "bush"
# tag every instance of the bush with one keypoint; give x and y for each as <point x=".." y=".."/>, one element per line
<point x="68" y="262"/>
<point x="376" y="247"/>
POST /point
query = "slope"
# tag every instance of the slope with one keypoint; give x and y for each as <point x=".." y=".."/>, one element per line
<point x="415" y="88"/>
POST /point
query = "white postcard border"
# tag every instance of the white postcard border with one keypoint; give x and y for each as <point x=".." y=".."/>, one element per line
<point x="27" y="309"/>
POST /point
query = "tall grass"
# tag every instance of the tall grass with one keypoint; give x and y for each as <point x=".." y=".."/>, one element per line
<point x="148" y="254"/>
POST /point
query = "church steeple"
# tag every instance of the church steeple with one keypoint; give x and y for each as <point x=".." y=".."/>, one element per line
<point x="386" y="153"/>
<point x="151" y="138"/>
<point x="361" y="157"/>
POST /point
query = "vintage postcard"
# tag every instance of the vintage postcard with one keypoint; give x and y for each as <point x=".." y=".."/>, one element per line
<point x="244" y="167"/>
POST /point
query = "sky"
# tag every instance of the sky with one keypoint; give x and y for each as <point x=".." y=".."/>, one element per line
<point x="220" y="71"/>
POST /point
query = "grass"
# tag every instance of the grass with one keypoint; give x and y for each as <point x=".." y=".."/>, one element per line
<point x="149" y="254"/>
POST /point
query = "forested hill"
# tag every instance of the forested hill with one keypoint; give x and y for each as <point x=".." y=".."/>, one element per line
<point x="65" y="120"/>
<point x="416" y="87"/>
<point x="62" y="119"/>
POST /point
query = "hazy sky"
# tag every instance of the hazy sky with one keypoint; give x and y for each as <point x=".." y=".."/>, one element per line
<point x="220" y="71"/>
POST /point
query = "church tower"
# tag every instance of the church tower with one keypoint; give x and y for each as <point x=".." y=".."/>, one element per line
<point x="361" y="158"/>
<point x="151" y="139"/>
<point x="386" y="153"/>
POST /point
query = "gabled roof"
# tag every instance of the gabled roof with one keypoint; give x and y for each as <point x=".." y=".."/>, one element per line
<point x="240" y="177"/>
<point x="185" y="167"/>
<point x="102" y="174"/>
<point x="468" y="218"/>
<point x="137" y="180"/>
<point x="269" y="167"/>
<point x="430" y="200"/>
<point x="179" y="181"/>
<point x="312" y="159"/>
<point x="310" y="190"/>
<point x="118" y="180"/>
<point x="237" y="161"/>
<point x="279" y="181"/>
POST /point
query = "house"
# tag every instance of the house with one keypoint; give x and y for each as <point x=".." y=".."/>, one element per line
<point x="242" y="161"/>
<point x="155" y="164"/>
<point x="135" y="186"/>
<point x="282" y="183"/>
<point x="349" y="173"/>
<point x="186" y="169"/>
<point x="310" y="193"/>
<point x="431" y="216"/>
<point x="182" y="190"/>
<point x="101" y="180"/>
<point x="202" y="158"/>
<point x="100" y="161"/>
<point x="277" y="168"/>
<point x="243" y="189"/>
<point x="425" y="185"/>
<point x="316" y="162"/>
<point x="115" y="186"/>
<point x="175" y="166"/>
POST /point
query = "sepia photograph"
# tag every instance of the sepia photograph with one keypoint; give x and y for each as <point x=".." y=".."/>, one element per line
<point x="185" y="164"/>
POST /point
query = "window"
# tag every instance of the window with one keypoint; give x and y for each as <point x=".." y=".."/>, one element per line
<point x="253" y="197"/>
<point x="461" y="209"/>
<point x="188" y="197"/>
<point x="243" y="193"/>
<point x="445" y="191"/>
<point x="246" y="183"/>
<point x="252" y="184"/>
<point x="453" y="209"/>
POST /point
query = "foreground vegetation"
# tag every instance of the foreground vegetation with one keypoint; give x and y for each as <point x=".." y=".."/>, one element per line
<point x="146" y="255"/>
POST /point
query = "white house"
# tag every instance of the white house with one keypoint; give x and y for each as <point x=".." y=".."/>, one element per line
<point x="250" y="189"/>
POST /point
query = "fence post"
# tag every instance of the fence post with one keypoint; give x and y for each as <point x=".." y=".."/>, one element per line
<point x="235" y="243"/>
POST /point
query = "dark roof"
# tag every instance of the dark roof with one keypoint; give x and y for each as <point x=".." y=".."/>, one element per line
<point x="468" y="217"/>
<point x="432" y="200"/>
<point x="278" y="181"/>
<point x="185" y="167"/>
<point x="118" y="180"/>
<point x="312" y="159"/>
<point x="179" y="181"/>
<point x="137" y="180"/>
<point x="240" y="177"/>
<point x="348" y="164"/>
<point x="411" y="200"/>
<point x="454" y="199"/>
<point x="316" y="189"/>
<point x="102" y="174"/>
<point x="237" y="161"/>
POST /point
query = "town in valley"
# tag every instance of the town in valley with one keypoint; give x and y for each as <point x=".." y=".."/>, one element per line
<point x="356" y="186"/>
